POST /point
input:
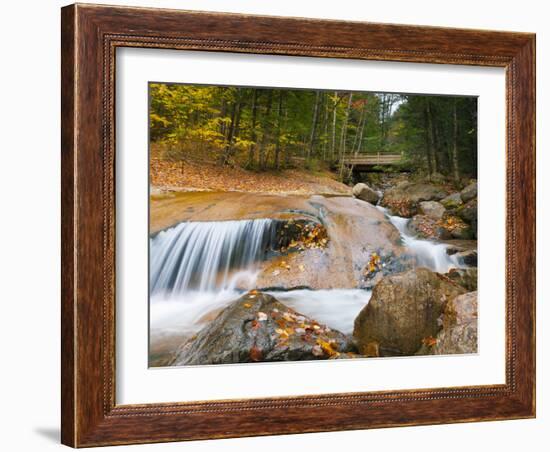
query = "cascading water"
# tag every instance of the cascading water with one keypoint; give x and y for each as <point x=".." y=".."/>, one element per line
<point x="202" y="256"/>
<point x="428" y="253"/>
<point x="199" y="267"/>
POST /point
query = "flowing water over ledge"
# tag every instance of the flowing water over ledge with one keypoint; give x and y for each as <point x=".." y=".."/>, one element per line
<point x="429" y="254"/>
<point x="199" y="267"/>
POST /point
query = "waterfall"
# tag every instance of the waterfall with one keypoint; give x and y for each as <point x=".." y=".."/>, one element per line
<point x="428" y="253"/>
<point x="207" y="256"/>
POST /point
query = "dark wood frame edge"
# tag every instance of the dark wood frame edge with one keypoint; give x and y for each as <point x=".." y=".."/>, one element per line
<point x="90" y="36"/>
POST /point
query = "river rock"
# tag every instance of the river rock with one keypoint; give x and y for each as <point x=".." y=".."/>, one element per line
<point x="432" y="209"/>
<point x="468" y="212"/>
<point x="452" y="201"/>
<point x="403" y="199"/>
<point x="356" y="230"/>
<point x="466" y="277"/>
<point x="403" y="310"/>
<point x="257" y="327"/>
<point x="458" y="246"/>
<point x="462" y="233"/>
<point x="365" y="193"/>
<point x="459" y="332"/>
<point x="469" y="192"/>
<point x="468" y="257"/>
<point x="426" y="227"/>
<point x="457" y="227"/>
<point x="381" y="265"/>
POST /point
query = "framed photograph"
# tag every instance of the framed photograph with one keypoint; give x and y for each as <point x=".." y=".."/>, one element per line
<point x="281" y="225"/>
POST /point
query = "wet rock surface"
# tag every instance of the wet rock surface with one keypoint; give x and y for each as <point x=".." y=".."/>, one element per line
<point x="404" y="199"/>
<point x="468" y="258"/>
<point x="432" y="209"/>
<point x="257" y="327"/>
<point x="365" y="193"/>
<point x="403" y="311"/>
<point x="459" y="332"/>
<point x="452" y="201"/>
<point x="355" y="229"/>
<point x="426" y="227"/>
<point x="466" y="277"/>
<point x="469" y="192"/>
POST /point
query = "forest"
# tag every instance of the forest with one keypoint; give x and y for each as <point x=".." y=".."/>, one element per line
<point x="270" y="129"/>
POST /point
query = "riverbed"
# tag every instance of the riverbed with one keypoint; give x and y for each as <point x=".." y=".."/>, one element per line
<point x="208" y="248"/>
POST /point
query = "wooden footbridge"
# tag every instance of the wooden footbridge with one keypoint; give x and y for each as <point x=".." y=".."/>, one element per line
<point x="368" y="162"/>
<point x="364" y="163"/>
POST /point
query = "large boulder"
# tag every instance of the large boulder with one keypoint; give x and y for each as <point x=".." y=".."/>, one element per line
<point x="468" y="212"/>
<point x="403" y="199"/>
<point x="355" y="231"/>
<point x="466" y="277"/>
<point x="459" y="332"/>
<point x="257" y="327"/>
<point x="403" y="311"/>
<point x="365" y="193"/>
<point x="469" y="192"/>
<point x="456" y="226"/>
<point x="432" y="209"/>
<point x="452" y="201"/>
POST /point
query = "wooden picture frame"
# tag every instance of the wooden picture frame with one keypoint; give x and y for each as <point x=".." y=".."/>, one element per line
<point x="90" y="36"/>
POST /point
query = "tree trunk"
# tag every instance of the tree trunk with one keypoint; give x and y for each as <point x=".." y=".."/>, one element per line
<point x="427" y="136"/>
<point x="265" y="133"/>
<point x="325" y="133"/>
<point x="313" y="125"/>
<point x="252" y="147"/>
<point x="433" y="137"/>
<point x="456" y="173"/>
<point x="343" y="137"/>
<point x="357" y="140"/>
<point x="229" y="140"/>
<point x="278" y="141"/>
<point x="333" y="144"/>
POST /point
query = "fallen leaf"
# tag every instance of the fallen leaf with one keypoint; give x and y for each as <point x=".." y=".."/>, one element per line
<point x="429" y="341"/>
<point x="256" y="354"/>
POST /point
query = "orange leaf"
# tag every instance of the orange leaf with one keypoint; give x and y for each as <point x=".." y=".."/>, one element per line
<point x="429" y="341"/>
<point x="256" y="354"/>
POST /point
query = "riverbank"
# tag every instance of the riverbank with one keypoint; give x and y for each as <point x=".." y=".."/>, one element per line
<point x="192" y="176"/>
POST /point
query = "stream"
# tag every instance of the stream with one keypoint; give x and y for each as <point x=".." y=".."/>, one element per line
<point x="199" y="267"/>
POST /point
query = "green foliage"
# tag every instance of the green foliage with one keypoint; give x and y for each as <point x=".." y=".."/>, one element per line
<point x="260" y="128"/>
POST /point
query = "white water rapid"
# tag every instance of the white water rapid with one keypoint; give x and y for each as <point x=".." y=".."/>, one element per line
<point x="198" y="268"/>
<point x="208" y="256"/>
<point x="430" y="254"/>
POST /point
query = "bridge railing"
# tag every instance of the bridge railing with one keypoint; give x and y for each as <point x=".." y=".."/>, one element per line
<point x="378" y="159"/>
